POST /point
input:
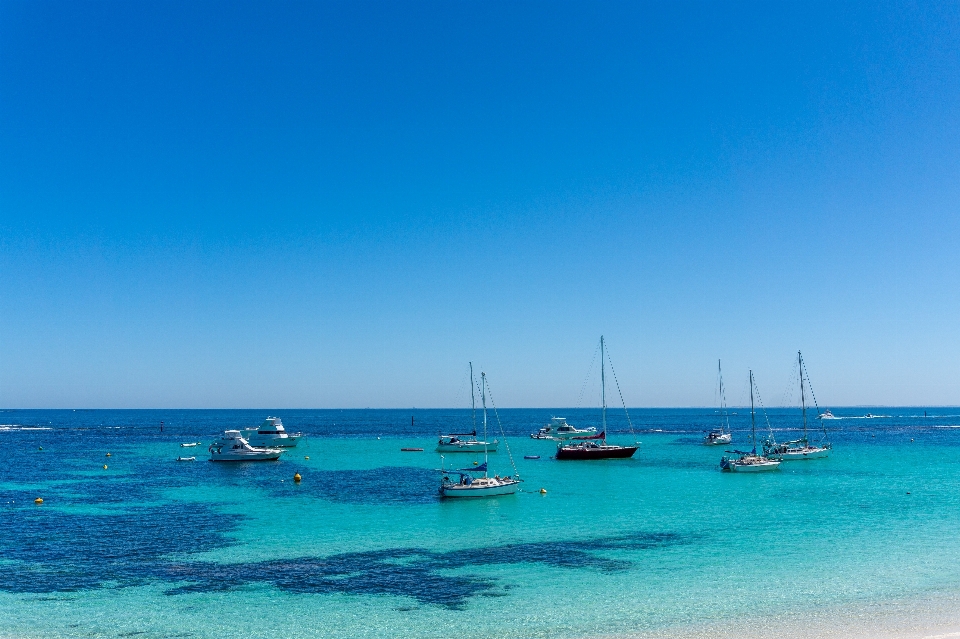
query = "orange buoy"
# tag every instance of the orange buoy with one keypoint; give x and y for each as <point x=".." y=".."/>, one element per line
<point x="38" y="500"/>
<point x="297" y="478"/>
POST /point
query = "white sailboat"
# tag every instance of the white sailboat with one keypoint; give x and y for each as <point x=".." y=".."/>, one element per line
<point x="749" y="462"/>
<point x="467" y="483"/>
<point x="721" y="434"/>
<point x="467" y="442"/>
<point x="799" y="449"/>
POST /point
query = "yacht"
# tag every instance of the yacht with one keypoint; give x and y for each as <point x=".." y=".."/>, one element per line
<point x="802" y="448"/>
<point x="233" y="447"/>
<point x="828" y="415"/>
<point x="563" y="430"/>
<point x="749" y="461"/>
<point x="453" y="443"/>
<point x="721" y="434"/>
<point x="271" y="433"/>
<point x="467" y="485"/>
<point x="717" y="436"/>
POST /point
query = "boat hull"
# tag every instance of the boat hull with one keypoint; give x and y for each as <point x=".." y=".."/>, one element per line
<point x="601" y="452"/>
<point x="460" y="491"/>
<point x="761" y="467"/>
<point x="246" y="458"/>
<point x="717" y="441"/>
<point x="273" y="441"/>
<point x="491" y="447"/>
<point x="817" y="453"/>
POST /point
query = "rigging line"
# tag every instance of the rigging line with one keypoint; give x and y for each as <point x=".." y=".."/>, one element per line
<point x="765" y="418"/>
<point x="500" y="424"/>
<point x="814" y="395"/>
<point x="630" y="423"/>
<point x="587" y="378"/>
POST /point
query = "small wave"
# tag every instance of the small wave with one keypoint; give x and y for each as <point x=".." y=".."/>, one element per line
<point x="19" y="427"/>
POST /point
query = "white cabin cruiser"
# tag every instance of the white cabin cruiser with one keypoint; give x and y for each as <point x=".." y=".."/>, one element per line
<point x="271" y="433"/>
<point x="563" y="430"/>
<point x="233" y="447"/>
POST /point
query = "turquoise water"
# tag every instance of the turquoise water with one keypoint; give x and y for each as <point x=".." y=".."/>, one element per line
<point x="363" y="547"/>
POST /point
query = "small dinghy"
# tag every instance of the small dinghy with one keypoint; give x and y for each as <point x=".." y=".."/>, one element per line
<point x="186" y="459"/>
<point x="531" y="456"/>
<point x="191" y="444"/>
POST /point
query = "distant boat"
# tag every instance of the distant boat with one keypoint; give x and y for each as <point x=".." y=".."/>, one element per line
<point x="454" y="442"/>
<point x="749" y="461"/>
<point x="469" y="485"/>
<point x="721" y="434"/>
<point x="271" y="433"/>
<point x="558" y="428"/>
<point x="587" y="446"/>
<point x="827" y="415"/>
<point x="233" y="447"/>
<point x="799" y="449"/>
<point x="186" y="459"/>
<point x="190" y="444"/>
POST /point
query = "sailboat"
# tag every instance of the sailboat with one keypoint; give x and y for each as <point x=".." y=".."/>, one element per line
<point x="749" y="462"/>
<point x="800" y="448"/>
<point x="455" y="442"/>
<point x="720" y="435"/>
<point x="587" y="446"/>
<point x="469" y="483"/>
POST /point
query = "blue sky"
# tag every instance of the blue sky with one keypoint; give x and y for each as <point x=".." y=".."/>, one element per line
<point x="340" y="205"/>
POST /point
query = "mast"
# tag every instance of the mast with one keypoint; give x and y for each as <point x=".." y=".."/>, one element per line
<point x="603" y="392"/>
<point x="753" y="421"/>
<point x="483" y="397"/>
<point x="723" y="401"/>
<point x="473" y="399"/>
<point x="803" y="399"/>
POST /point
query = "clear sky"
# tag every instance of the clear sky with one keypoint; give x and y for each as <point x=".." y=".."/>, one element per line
<point x="339" y="205"/>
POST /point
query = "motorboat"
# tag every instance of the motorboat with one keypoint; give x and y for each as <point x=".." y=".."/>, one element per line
<point x="271" y="433"/>
<point x="562" y="430"/>
<point x="190" y="444"/>
<point x="186" y="459"/>
<point x="828" y="415"/>
<point x="717" y="436"/>
<point x="544" y="433"/>
<point x="233" y="447"/>
<point x="454" y="443"/>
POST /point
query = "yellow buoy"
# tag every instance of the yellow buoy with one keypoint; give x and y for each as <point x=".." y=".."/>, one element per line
<point x="306" y="457"/>
<point x="475" y="463"/>
<point x="543" y="491"/>
<point x="297" y="477"/>
<point x="38" y="500"/>
<point x="108" y="454"/>
<point x="104" y="466"/>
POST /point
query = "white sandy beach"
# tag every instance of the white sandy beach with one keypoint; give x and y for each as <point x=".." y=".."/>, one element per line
<point x="935" y="617"/>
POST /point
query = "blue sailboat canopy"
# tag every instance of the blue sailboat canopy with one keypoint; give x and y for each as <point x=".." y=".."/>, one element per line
<point x="482" y="468"/>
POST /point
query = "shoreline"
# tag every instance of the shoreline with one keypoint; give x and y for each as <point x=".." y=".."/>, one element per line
<point x="931" y="617"/>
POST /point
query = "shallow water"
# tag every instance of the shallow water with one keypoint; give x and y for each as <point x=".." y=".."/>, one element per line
<point x="363" y="547"/>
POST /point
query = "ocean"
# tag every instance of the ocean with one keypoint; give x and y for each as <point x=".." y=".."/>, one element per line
<point x="364" y="547"/>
